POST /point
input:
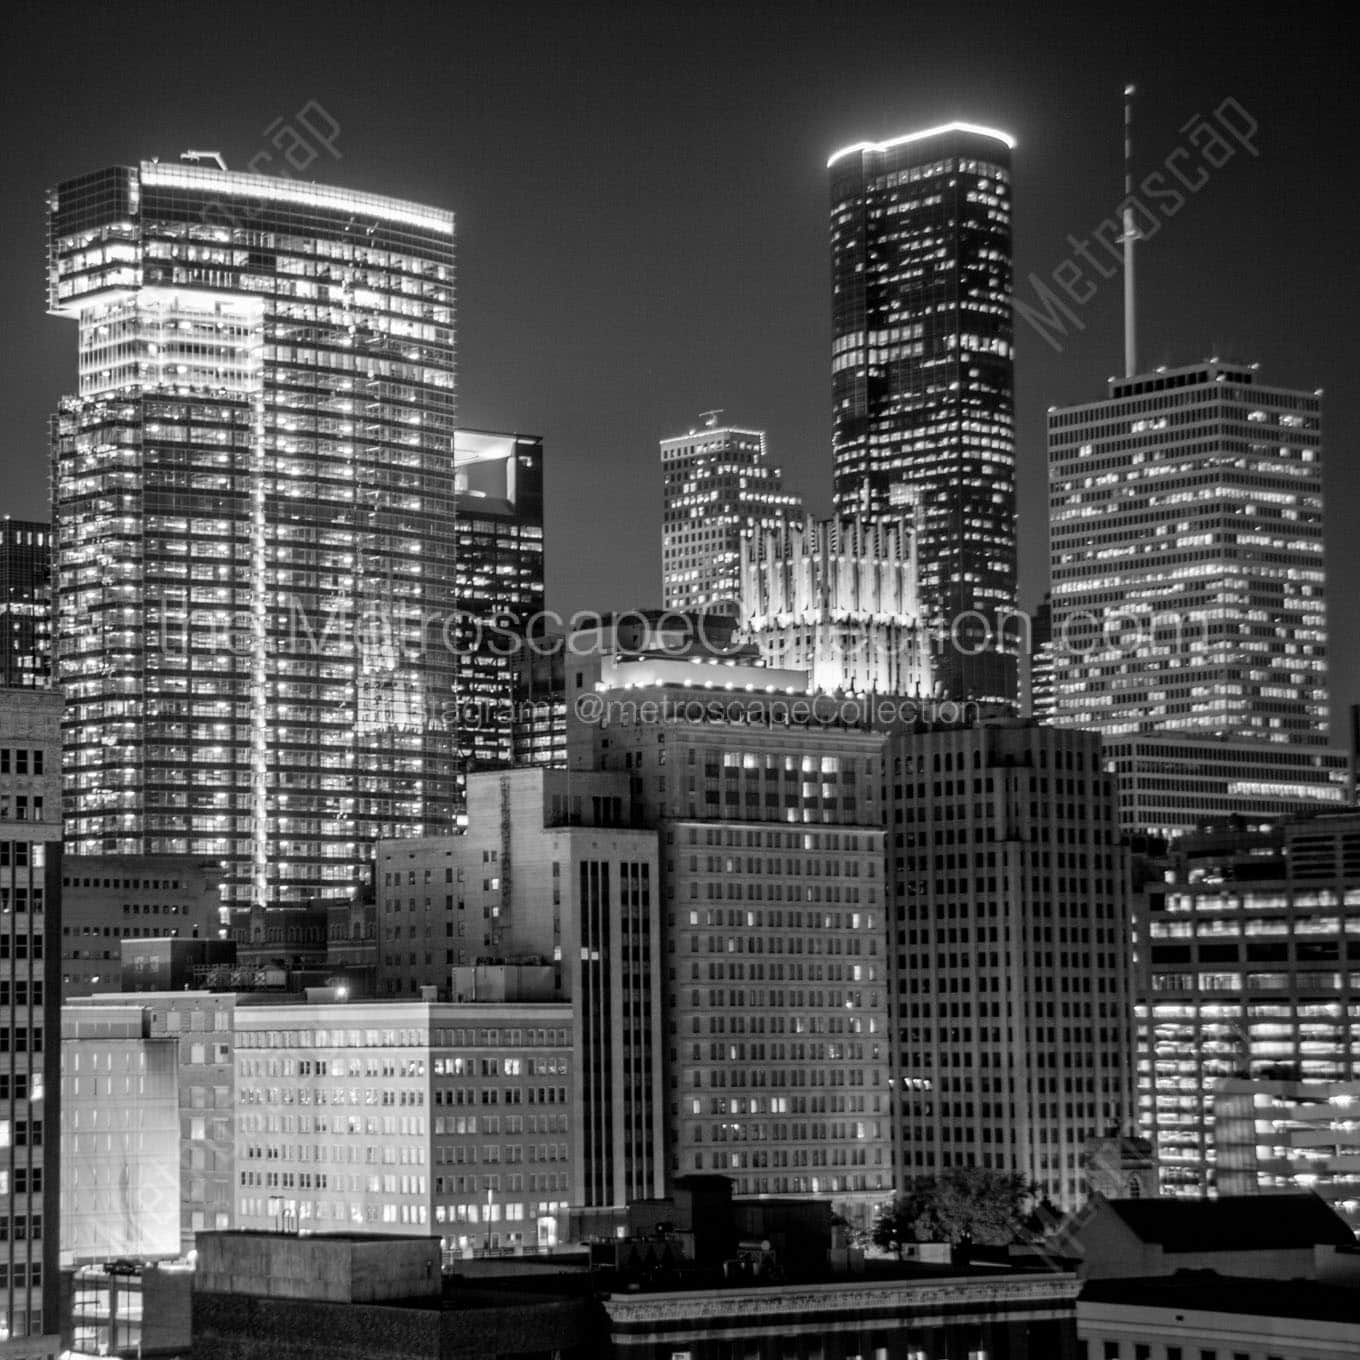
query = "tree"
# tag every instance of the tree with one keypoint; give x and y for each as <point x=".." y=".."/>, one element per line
<point x="962" y="1206"/>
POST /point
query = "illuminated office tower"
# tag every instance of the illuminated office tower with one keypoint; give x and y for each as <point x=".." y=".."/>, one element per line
<point x="718" y="485"/>
<point x="499" y="527"/>
<point x="30" y="1021"/>
<point x="1247" y="966"/>
<point x="1189" y="623"/>
<point x="254" y="492"/>
<point x="923" y="375"/>
<point x="25" y="604"/>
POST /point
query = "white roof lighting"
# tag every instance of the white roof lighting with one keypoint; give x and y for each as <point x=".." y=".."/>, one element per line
<point x="974" y="128"/>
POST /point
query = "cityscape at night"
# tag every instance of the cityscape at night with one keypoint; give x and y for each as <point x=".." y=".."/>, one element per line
<point x="676" y="682"/>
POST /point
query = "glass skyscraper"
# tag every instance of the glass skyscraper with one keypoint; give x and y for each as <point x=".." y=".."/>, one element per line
<point x="254" y="494"/>
<point x="923" y="375"/>
<point x="25" y="604"/>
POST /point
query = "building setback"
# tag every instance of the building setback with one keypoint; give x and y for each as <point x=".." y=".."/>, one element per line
<point x="718" y="486"/>
<point x="30" y="1021"/>
<point x="253" y="490"/>
<point x="1247" y="966"/>
<point x="1009" y="904"/>
<point x="923" y="375"/>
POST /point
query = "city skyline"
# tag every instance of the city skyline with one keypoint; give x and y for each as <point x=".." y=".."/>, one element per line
<point x="578" y="332"/>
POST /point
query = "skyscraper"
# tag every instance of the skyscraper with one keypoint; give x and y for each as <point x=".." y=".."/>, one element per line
<point x="499" y="528"/>
<point x="254" y="493"/>
<point x="1189" y="618"/>
<point x="718" y="485"/>
<point x="923" y="374"/>
<point x="25" y="603"/>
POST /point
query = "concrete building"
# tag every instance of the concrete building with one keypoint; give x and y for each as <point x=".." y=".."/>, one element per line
<point x="411" y="1118"/>
<point x="1245" y="966"/>
<point x="923" y="376"/>
<point x="718" y="486"/>
<point x="775" y="930"/>
<point x="1010" y="906"/>
<point x="837" y="598"/>
<point x="1274" y="1136"/>
<point x="253" y="487"/>
<point x="30" y="1020"/>
<point x="120" y="1137"/>
<point x="553" y="870"/>
<point x="110" y="898"/>
<point x="1189" y="613"/>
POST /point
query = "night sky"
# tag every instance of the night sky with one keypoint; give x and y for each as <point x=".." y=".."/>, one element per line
<point x="641" y="199"/>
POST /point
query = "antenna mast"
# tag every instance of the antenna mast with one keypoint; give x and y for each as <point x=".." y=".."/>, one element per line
<point x="1130" y="235"/>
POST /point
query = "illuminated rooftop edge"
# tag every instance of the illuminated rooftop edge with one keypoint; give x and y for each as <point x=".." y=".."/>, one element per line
<point x="272" y="187"/>
<point x="976" y="129"/>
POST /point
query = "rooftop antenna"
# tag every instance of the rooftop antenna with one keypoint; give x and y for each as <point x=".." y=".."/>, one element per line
<point x="1130" y="235"/>
<point x="195" y="157"/>
<point x="711" y="417"/>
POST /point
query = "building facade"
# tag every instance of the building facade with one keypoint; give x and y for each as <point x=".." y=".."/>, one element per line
<point x="253" y="490"/>
<point x="25" y="604"/>
<point x="775" y="933"/>
<point x="1188" y="614"/>
<point x="418" y="1119"/>
<point x="838" y="599"/>
<point x="923" y="376"/>
<point x="30" y="1020"/>
<point x="1247" y="966"/>
<point x="717" y="485"/>
<point x="555" y="874"/>
<point x="110" y="898"/>
<point x="1011" y="923"/>
<point x="499" y="529"/>
<point x="120" y="1136"/>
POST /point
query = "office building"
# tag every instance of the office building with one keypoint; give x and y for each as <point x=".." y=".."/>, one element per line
<point x="1247" y="965"/>
<point x="554" y="874"/>
<point x="922" y="380"/>
<point x="718" y="485"/>
<point x="1189" y="616"/>
<point x="500" y="572"/>
<point x="110" y="898"/>
<point x="421" y="1119"/>
<point x="254" y="494"/>
<point x="1036" y="664"/>
<point x="1011" y="985"/>
<point x="30" y="1020"/>
<point x="1275" y="1136"/>
<point x="120" y="1136"/>
<point x="775" y="930"/>
<point x="25" y="604"/>
<point x="838" y="599"/>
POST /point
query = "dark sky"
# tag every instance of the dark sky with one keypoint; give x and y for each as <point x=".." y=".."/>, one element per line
<point x="641" y="200"/>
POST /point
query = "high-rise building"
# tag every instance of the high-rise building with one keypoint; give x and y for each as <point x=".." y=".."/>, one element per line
<point x="1189" y="619"/>
<point x="254" y="492"/>
<point x="718" y="485"/>
<point x="1247" y="966"/>
<point x="777" y="1051"/>
<point x="1009" y="905"/>
<point x="923" y="376"/>
<point x="838" y="599"/>
<point x="556" y="873"/>
<point x="499" y="528"/>
<point x="25" y="603"/>
<point x="30" y="1021"/>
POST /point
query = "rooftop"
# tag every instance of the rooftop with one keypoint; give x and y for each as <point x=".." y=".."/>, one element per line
<point x="1207" y="1291"/>
<point x="1234" y="1223"/>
